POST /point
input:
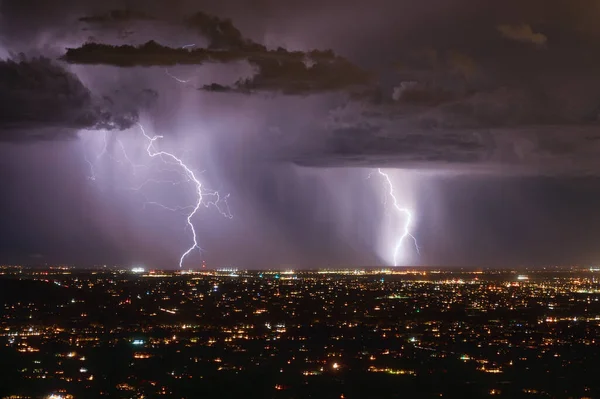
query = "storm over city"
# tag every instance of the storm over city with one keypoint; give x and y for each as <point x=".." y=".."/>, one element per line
<point x="279" y="134"/>
<point x="333" y="199"/>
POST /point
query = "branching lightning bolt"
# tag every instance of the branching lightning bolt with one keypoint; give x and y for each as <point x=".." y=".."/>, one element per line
<point x="189" y="173"/>
<point x="175" y="164"/>
<point x="406" y="214"/>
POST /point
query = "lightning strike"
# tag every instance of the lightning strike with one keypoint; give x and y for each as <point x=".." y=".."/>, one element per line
<point x="175" y="77"/>
<point x="200" y="192"/>
<point x="133" y="165"/>
<point x="203" y="196"/>
<point x="406" y="214"/>
<point x="105" y="147"/>
<point x="184" y="175"/>
<point x="92" y="175"/>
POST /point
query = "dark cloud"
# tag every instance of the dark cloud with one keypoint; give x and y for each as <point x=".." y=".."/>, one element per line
<point x="39" y="99"/>
<point x="120" y="20"/>
<point x="218" y="88"/>
<point x="221" y="33"/>
<point x="300" y="76"/>
<point x="279" y="70"/>
<point x="148" y="54"/>
<point x="474" y="94"/>
<point x="311" y="72"/>
<point x="497" y="132"/>
<point x="468" y="76"/>
<point x="479" y="97"/>
<point x="119" y="16"/>
<point x="289" y="72"/>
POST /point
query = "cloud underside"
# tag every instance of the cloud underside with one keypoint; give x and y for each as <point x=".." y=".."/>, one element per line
<point x="279" y="70"/>
<point x="39" y="99"/>
<point x="520" y="109"/>
<point x="117" y="16"/>
<point x="535" y="150"/>
<point x="290" y="72"/>
<point x="534" y="129"/>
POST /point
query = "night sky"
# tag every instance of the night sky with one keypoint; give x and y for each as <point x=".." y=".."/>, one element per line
<point x="485" y="115"/>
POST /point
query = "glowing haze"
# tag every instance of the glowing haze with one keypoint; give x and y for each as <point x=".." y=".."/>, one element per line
<point x="131" y="133"/>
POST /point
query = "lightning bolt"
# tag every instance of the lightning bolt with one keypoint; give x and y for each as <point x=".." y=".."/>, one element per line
<point x="175" y="77"/>
<point x="134" y="166"/>
<point x="203" y="196"/>
<point x="105" y="146"/>
<point x="92" y="175"/>
<point x="405" y="213"/>
<point x="200" y="193"/>
<point x="154" y="153"/>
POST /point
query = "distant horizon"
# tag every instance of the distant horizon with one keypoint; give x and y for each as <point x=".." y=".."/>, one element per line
<point x="304" y="269"/>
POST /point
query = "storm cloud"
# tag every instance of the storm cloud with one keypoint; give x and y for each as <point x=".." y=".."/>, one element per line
<point x="120" y="16"/>
<point x="279" y="70"/>
<point x="486" y="97"/>
<point x="506" y="90"/>
<point x="39" y="99"/>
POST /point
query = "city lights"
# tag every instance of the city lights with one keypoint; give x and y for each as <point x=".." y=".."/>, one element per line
<point x="323" y="324"/>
